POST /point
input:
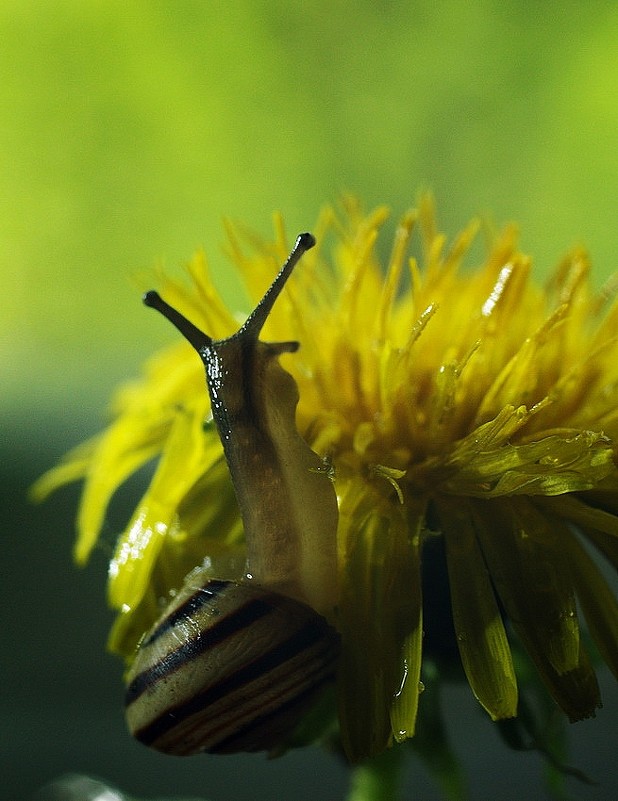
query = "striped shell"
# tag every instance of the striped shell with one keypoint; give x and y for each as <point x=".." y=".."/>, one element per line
<point x="229" y="667"/>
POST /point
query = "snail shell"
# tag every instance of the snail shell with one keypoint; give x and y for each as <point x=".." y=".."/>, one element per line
<point x="231" y="665"/>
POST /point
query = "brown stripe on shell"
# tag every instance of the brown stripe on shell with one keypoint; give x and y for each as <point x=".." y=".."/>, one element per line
<point x="234" y="677"/>
<point x="188" y="639"/>
<point x="182" y="607"/>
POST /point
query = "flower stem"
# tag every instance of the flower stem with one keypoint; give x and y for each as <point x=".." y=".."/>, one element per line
<point x="377" y="779"/>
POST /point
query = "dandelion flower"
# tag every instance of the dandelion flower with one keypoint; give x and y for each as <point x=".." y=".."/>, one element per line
<point x="468" y="419"/>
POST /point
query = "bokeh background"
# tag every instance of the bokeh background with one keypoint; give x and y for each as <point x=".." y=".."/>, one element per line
<point x="128" y="129"/>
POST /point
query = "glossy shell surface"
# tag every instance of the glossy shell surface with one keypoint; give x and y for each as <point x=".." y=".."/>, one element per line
<point x="228" y="667"/>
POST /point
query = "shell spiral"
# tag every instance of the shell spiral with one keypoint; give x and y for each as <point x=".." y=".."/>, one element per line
<point x="229" y="667"/>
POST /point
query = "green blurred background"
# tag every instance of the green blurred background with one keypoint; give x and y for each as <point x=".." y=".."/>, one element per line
<point x="127" y="131"/>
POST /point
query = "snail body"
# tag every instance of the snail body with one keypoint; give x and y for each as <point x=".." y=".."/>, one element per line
<point x="231" y="665"/>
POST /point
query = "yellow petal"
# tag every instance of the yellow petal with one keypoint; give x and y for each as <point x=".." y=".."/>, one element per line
<point x="73" y="467"/>
<point x="527" y="563"/>
<point x="404" y="707"/>
<point x="597" y="601"/>
<point x="116" y="459"/>
<point x="187" y="454"/>
<point x="380" y="622"/>
<point x="551" y="465"/>
<point x="481" y="638"/>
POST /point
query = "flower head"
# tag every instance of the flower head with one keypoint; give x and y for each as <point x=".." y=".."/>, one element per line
<point x="468" y="421"/>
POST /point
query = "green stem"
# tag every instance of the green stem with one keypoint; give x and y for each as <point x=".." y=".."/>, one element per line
<point x="378" y="779"/>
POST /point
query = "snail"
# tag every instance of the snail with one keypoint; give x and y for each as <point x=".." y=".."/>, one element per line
<point x="231" y="665"/>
